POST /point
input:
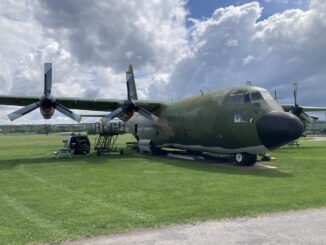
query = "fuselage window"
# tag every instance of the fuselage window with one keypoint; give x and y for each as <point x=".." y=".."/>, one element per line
<point x="241" y="117"/>
<point x="237" y="117"/>
<point x="245" y="117"/>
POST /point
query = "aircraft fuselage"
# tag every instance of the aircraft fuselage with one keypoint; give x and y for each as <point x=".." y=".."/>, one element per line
<point x="223" y="121"/>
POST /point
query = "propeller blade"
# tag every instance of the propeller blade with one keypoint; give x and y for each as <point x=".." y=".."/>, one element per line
<point x="47" y="78"/>
<point x="116" y="113"/>
<point x="306" y="118"/>
<point x="23" y="111"/>
<point x="65" y="111"/>
<point x="131" y="85"/>
<point x="295" y="90"/>
<point x="147" y="114"/>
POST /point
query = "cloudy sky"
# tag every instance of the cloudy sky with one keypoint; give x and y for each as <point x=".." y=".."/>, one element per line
<point x="177" y="48"/>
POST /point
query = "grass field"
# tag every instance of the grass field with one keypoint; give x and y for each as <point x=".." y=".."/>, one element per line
<point x="48" y="200"/>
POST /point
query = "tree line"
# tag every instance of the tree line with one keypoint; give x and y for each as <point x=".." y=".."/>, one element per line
<point x="47" y="128"/>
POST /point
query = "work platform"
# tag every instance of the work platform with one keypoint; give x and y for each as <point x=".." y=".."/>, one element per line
<point x="107" y="135"/>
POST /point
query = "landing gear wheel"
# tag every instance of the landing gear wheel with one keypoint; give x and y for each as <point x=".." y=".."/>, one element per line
<point x="252" y="159"/>
<point x="266" y="158"/>
<point x="245" y="159"/>
<point x="156" y="151"/>
<point x="239" y="158"/>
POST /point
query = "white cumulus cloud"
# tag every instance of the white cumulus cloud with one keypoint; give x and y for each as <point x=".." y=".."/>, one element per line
<point x="91" y="43"/>
<point x="272" y="53"/>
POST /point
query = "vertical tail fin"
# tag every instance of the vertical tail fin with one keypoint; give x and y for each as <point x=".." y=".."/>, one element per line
<point x="131" y="85"/>
<point x="47" y="78"/>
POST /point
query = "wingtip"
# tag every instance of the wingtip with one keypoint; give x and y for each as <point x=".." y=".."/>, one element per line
<point x="130" y="70"/>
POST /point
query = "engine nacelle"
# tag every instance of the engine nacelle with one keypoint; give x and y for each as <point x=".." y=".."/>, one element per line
<point x="47" y="112"/>
<point x="47" y="106"/>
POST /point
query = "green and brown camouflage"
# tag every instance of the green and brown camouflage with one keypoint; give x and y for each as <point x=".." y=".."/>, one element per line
<point x="243" y="121"/>
<point x="223" y="121"/>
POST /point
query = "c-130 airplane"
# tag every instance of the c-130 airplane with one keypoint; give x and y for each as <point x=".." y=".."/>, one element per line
<point x="243" y="121"/>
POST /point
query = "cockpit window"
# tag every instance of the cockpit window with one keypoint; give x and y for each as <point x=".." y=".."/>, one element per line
<point x="261" y="95"/>
<point x="239" y="97"/>
<point x="266" y="95"/>
<point x="256" y="96"/>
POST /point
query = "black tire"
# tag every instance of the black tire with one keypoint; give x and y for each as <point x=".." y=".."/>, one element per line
<point x="252" y="159"/>
<point x="245" y="159"/>
<point x="194" y="153"/>
<point x="157" y="151"/>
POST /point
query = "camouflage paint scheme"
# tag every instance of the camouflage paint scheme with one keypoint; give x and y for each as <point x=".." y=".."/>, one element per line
<point x="206" y="123"/>
<point x="244" y="120"/>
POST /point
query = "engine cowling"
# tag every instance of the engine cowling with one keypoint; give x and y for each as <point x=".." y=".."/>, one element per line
<point x="47" y="106"/>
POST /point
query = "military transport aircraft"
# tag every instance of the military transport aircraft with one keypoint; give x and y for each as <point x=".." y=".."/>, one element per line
<point x="244" y="121"/>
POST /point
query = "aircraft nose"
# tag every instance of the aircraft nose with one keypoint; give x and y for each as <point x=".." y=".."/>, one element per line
<point x="278" y="128"/>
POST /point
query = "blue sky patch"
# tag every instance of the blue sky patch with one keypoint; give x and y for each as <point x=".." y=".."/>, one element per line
<point x="201" y="9"/>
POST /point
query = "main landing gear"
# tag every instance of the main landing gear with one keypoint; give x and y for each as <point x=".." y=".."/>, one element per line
<point x="245" y="159"/>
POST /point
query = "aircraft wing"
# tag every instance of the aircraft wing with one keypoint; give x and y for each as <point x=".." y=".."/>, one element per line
<point x="81" y="103"/>
<point x="300" y="111"/>
<point x="305" y="108"/>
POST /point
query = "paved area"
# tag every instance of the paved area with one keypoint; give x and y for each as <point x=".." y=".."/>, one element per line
<point x="295" y="227"/>
<point x="317" y="138"/>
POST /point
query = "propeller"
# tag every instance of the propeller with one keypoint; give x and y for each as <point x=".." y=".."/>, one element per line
<point x="23" y="111"/>
<point x="46" y="103"/>
<point x="275" y="95"/>
<point x="298" y="110"/>
<point x="129" y="106"/>
<point x="295" y="92"/>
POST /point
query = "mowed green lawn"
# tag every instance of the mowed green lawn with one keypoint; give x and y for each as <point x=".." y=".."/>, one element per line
<point x="48" y="200"/>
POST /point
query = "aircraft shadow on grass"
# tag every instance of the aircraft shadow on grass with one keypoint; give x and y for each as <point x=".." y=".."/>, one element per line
<point x="89" y="159"/>
<point x="219" y="166"/>
<point x="305" y="148"/>
<point x="222" y="166"/>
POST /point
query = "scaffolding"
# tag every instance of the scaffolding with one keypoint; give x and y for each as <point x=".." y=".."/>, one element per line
<point x="107" y="135"/>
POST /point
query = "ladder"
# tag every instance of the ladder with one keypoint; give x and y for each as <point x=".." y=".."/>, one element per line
<point x="107" y="135"/>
